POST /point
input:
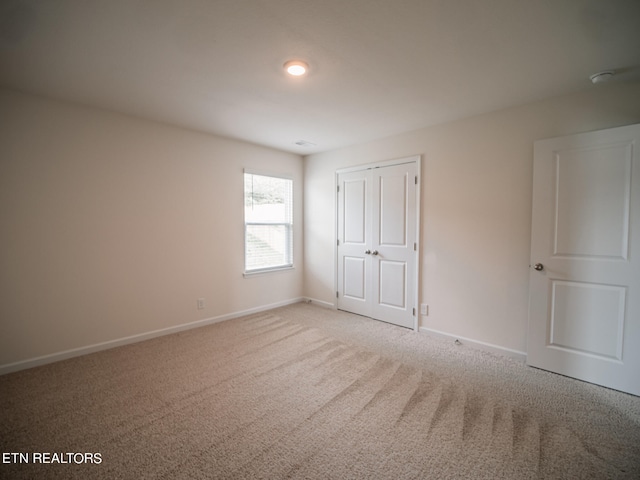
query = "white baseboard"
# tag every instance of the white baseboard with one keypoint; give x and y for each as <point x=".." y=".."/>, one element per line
<point x="487" y="347"/>
<point x="320" y="303"/>
<point x="77" y="352"/>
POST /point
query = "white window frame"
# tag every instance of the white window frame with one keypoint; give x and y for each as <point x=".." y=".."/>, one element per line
<point x="288" y="226"/>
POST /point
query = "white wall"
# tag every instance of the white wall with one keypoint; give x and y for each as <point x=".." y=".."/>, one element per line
<point x="111" y="226"/>
<point x="475" y="212"/>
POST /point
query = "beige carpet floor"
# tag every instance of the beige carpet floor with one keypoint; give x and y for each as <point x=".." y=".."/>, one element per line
<point x="309" y="393"/>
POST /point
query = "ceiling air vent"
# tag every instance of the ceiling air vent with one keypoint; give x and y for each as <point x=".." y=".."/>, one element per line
<point x="304" y="143"/>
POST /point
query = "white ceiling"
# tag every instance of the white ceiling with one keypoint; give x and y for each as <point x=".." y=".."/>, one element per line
<point x="378" y="67"/>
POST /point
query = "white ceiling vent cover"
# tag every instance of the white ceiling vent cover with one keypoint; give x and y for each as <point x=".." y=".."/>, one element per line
<point x="304" y="143"/>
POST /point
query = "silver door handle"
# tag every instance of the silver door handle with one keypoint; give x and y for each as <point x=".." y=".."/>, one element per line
<point x="538" y="266"/>
<point x="375" y="252"/>
<point x="368" y="252"/>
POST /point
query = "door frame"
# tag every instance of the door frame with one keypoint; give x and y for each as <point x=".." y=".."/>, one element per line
<point x="415" y="159"/>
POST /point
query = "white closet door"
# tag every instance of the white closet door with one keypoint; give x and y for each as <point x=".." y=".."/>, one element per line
<point x="354" y="241"/>
<point x="377" y="235"/>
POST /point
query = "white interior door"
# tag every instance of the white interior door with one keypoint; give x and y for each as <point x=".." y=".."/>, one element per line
<point x="584" y="305"/>
<point x="377" y="242"/>
<point x="354" y="242"/>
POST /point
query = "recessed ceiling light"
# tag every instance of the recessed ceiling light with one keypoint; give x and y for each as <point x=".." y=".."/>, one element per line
<point x="296" y="68"/>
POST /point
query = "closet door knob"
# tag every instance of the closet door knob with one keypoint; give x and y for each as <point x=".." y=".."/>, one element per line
<point x="375" y="252"/>
<point x="368" y="252"/>
<point x="538" y="266"/>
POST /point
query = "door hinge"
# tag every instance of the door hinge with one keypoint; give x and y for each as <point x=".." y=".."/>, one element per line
<point x="416" y="179"/>
<point x="414" y="312"/>
<point x="338" y="188"/>
<point x="337" y="295"/>
<point x="338" y="242"/>
<point x="415" y="247"/>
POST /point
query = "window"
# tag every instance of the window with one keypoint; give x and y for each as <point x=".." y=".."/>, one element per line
<point x="268" y="222"/>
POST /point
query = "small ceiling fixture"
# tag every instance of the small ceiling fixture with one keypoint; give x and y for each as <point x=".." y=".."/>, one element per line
<point x="296" y="68"/>
<point x="602" y="76"/>
<point x="304" y="143"/>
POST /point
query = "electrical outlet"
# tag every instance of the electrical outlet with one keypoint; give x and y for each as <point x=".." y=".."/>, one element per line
<point x="424" y="309"/>
<point x="200" y="303"/>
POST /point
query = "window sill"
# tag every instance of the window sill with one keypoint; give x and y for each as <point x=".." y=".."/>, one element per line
<point x="266" y="271"/>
